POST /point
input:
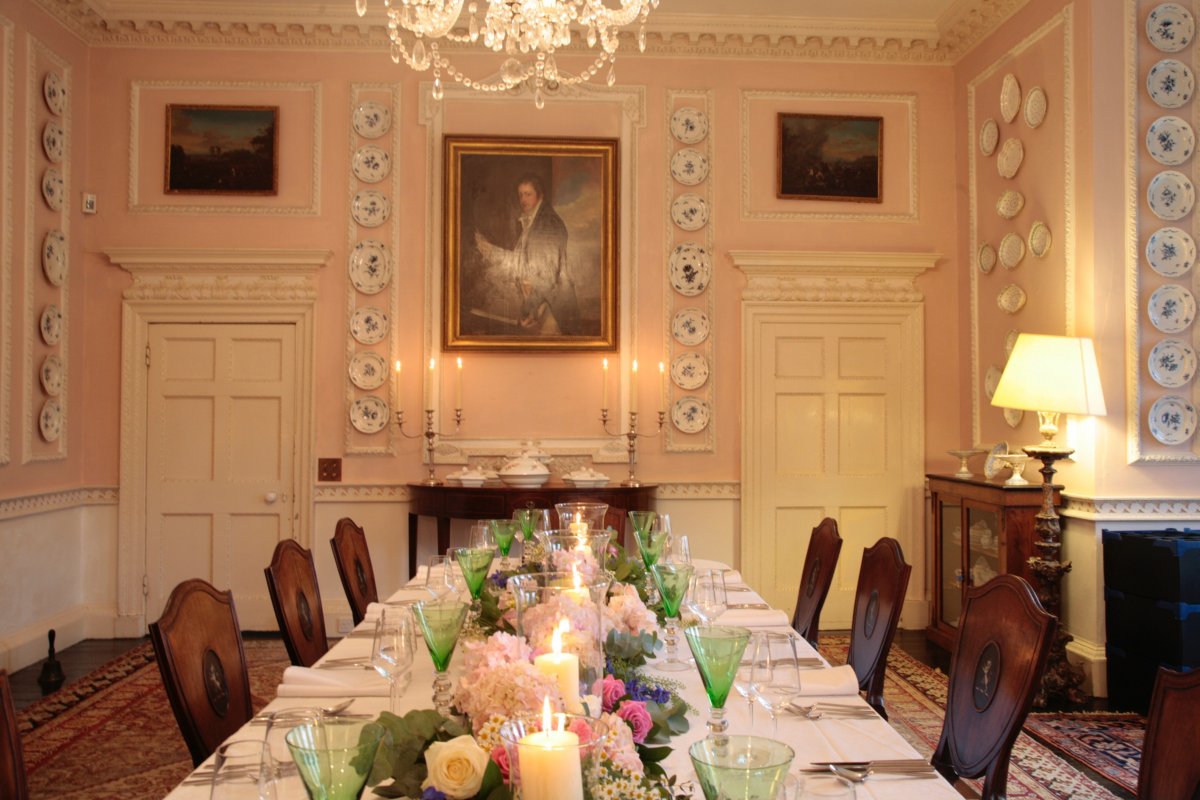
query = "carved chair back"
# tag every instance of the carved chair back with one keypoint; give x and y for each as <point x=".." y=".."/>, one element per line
<point x="13" y="781"/>
<point x="1170" y="769"/>
<point x="878" y="601"/>
<point x="824" y="546"/>
<point x="353" y="561"/>
<point x="292" y="581"/>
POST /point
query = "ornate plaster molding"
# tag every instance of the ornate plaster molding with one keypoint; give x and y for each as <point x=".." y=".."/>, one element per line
<point x="45" y="502"/>
<point x="700" y="490"/>
<point x="1131" y="508"/>
<point x="236" y="275"/>
<point x="832" y="277"/>
<point x="360" y="493"/>
<point x="7" y="75"/>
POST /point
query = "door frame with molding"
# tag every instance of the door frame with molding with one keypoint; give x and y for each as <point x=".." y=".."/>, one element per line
<point x="205" y="286"/>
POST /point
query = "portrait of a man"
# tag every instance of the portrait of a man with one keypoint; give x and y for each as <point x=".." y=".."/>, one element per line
<point x="530" y="255"/>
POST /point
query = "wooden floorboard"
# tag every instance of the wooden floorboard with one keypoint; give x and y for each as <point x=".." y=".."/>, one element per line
<point x="77" y="660"/>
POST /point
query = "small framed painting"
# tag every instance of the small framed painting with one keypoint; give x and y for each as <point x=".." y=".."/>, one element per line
<point x="229" y="150"/>
<point x="823" y="157"/>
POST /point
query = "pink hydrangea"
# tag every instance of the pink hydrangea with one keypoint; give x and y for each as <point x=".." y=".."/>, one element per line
<point x="498" y="649"/>
<point x="540" y="621"/>
<point x="500" y="756"/>
<point x="581" y="558"/>
<point x="612" y="690"/>
<point x="634" y="712"/>
<point x="508" y="690"/>
<point x="619" y="746"/>
<point x="626" y="613"/>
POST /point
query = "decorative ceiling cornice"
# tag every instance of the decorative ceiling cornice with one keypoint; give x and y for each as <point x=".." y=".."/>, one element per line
<point x="308" y="25"/>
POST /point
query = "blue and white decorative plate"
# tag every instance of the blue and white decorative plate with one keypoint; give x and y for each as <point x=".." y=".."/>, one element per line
<point x="54" y="141"/>
<point x="53" y="375"/>
<point x="1010" y="97"/>
<point x="1171" y="252"/>
<point x="690" y="414"/>
<point x="1012" y="250"/>
<point x="1170" y="141"/>
<point x="1010" y="203"/>
<point x="368" y="370"/>
<point x="1171" y="195"/>
<point x="689" y="211"/>
<point x="54" y="257"/>
<point x="690" y="327"/>
<point x="50" y="420"/>
<point x="989" y="136"/>
<point x="370" y="208"/>
<point x="371" y="164"/>
<point x="371" y="120"/>
<point x="689" y="125"/>
<point x="54" y="188"/>
<point x="370" y="266"/>
<point x="1172" y="419"/>
<point x="689" y="166"/>
<point x="1039" y="239"/>
<point x="50" y="324"/>
<point x="369" y="414"/>
<point x="1172" y="363"/>
<point x="1170" y="83"/>
<point x="986" y="259"/>
<point x="689" y="371"/>
<point x="369" y="325"/>
<point x="1012" y="153"/>
<point x="54" y="91"/>
<point x="1035" y="107"/>
<point x="1172" y="308"/>
<point x="689" y="269"/>
<point x="1170" y="27"/>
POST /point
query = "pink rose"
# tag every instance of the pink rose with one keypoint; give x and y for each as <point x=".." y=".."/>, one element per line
<point x="582" y="729"/>
<point x="612" y="690"/>
<point x="500" y="756"/>
<point x="634" y="712"/>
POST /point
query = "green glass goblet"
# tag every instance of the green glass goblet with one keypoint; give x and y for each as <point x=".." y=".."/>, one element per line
<point x="741" y="767"/>
<point x="475" y="563"/>
<point x="334" y="755"/>
<point x="504" y="531"/>
<point x="440" y="622"/>
<point x="651" y="543"/>
<point x="672" y="579"/>
<point x="718" y="651"/>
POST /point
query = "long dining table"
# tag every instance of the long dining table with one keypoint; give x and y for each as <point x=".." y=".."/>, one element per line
<point x="829" y="738"/>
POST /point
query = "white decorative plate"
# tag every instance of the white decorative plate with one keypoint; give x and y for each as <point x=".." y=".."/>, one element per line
<point x="1012" y="153"/>
<point x="1170" y="83"/>
<point x="1012" y="250"/>
<point x="370" y="266"/>
<point x="1013" y="417"/>
<point x="369" y="414"/>
<point x="1170" y="195"/>
<point x="1170" y="27"/>
<point x="989" y="136"/>
<point x="55" y="93"/>
<point x="1010" y="98"/>
<point x="689" y="211"/>
<point x="1010" y="341"/>
<point x="690" y="414"/>
<point x="371" y="164"/>
<point x="369" y="325"/>
<point x="986" y="258"/>
<point x="993" y="465"/>
<point x="1035" y="107"/>
<point x="689" y="371"/>
<point x="1039" y="239"/>
<point x="1172" y="363"/>
<point x="1010" y="203"/>
<point x="689" y="125"/>
<point x="689" y="166"/>
<point x="690" y="327"/>
<point x="1172" y="419"/>
<point x="689" y="269"/>
<point x="1172" y="308"/>
<point x="53" y="373"/>
<point x="54" y="141"/>
<point x="370" y="208"/>
<point x="50" y="324"/>
<point x="990" y="381"/>
<point x="54" y="188"/>
<point x="372" y="120"/>
<point x="54" y="257"/>
<point x="1171" y="252"/>
<point x="1170" y="141"/>
<point x="1011" y="299"/>
<point x="368" y="370"/>
<point x="50" y="421"/>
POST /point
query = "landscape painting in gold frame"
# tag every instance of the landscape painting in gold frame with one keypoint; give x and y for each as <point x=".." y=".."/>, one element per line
<point x="231" y="150"/>
<point x="824" y="157"/>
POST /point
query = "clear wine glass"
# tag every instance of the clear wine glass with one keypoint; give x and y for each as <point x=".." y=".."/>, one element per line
<point x="678" y="549"/>
<point x="445" y="580"/>
<point x="393" y="649"/>
<point x="481" y="535"/>
<point x="240" y="772"/>
<point x="708" y="599"/>
<point x="775" y="675"/>
<point x="742" y="681"/>
<point x="278" y="768"/>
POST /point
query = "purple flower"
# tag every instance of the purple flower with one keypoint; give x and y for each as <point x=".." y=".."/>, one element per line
<point x="612" y="690"/>
<point x="499" y="580"/>
<point x="644" y="691"/>
<point x="432" y="794"/>
<point x="634" y="712"/>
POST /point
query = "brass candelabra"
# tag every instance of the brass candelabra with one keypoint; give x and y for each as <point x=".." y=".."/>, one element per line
<point x="632" y="436"/>
<point x="431" y="436"/>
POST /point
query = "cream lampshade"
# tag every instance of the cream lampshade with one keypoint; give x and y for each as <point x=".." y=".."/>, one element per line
<point x="1051" y="375"/>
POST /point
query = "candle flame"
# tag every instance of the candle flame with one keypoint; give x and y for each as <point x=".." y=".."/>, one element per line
<point x="556" y="639"/>
<point x="432" y="363"/>
<point x="546" y="724"/>
<point x="460" y="363"/>
<point x="605" y="360"/>
<point x="397" y="365"/>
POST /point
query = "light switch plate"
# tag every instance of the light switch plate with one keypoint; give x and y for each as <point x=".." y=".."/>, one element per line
<point x="89" y="203"/>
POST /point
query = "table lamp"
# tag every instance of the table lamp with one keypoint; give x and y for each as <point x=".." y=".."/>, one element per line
<point x="1052" y="375"/>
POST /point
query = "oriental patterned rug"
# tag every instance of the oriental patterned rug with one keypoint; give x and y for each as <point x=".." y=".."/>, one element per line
<point x="1109" y="743"/>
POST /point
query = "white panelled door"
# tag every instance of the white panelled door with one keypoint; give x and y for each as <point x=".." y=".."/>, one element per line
<point x="826" y="440"/>
<point x="221" y="412"/>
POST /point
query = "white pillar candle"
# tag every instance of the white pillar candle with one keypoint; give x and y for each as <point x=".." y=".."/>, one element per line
<point x="549" y="763"/>
<point x="633" y="388"/>
<point x="563" y="667"/>
<point x="604" y="384"/>
<point x="458" y="387"/>
<point x="429" y="384"/>
<point x="578" y="527"/>
<point x="396" y="388"/>
<point x="662" y="379"/>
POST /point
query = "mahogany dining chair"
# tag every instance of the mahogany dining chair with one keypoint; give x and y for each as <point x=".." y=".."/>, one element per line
<point x="1170" y="769"/>
<point x="198" y="645"/>
<point x="13" y="781"/>
<point x="1003" y="639"/>
<point x="878" y="600"/>
<point x="820" y="560"/>
<point x="353" y="561"/>
<point x="292" y="581"/>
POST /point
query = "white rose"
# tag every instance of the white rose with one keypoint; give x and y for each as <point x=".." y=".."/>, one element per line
<point x="456" y="767"/>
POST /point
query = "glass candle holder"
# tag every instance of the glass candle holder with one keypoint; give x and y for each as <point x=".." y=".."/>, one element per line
<point x="591" y="514"/>
<point x="554" y="757"/>
<point x="560" y="614"/>
<point x="586" y="551"/>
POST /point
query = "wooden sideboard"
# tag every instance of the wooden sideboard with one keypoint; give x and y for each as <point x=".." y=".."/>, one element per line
<point x="447" y="502"/>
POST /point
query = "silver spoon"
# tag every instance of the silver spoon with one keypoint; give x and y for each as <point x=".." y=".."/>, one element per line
<point x="857" y="774"/>
<point x="329" y="711"/>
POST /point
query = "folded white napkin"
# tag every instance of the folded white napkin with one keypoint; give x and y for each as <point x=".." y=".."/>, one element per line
<point x="754" y="618"/>
<point x="731" y="575"/>
<point x="403" y="596"/>
<point x="825" y="682"/>
<point x="307" y="682"/>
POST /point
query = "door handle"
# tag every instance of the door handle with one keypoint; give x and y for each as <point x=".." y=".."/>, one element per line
<point x="270" y="497"/>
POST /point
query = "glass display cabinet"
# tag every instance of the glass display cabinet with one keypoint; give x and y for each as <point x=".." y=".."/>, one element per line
<point x="981" y="528"/>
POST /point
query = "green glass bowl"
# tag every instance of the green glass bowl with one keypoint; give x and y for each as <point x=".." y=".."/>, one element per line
<point x="741" y="767"/>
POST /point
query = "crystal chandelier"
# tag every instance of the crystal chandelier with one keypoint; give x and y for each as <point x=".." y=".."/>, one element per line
<point x="526" y="31"/>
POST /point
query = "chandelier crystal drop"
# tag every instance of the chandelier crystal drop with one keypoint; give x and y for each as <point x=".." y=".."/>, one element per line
<point x="525" y="32"/>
